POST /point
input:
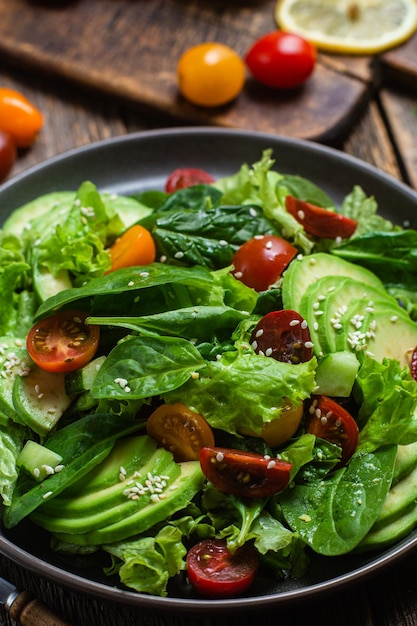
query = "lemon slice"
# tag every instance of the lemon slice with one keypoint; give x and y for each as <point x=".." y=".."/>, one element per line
<point x="349" y="26"/>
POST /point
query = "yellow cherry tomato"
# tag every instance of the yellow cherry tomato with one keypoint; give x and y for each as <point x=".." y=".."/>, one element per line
<point x="282" y="428"/>
<point x="210" y="74"/>
<point x="19" y="117"/>
<point x="135" y="247"/>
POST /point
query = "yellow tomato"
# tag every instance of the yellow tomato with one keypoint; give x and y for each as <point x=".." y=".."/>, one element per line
<point x="283" y="427"/>
<point x="210" y="74"/>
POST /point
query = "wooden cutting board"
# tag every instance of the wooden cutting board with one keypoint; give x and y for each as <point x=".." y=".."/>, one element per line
<point x="130" y="49"/>
<point x="400" y="64"/>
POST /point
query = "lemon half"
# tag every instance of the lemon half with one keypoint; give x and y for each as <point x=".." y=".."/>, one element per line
<point x="349" y="26"/>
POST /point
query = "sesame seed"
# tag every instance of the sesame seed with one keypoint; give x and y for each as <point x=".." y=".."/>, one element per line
<point x="294" y="322"/>
<point x="259" y="333"/>
<point x="47" y="494"/>
<point x="271" y="464"/>
<point x="238" y="275"/>
<point x="219" y="457"/>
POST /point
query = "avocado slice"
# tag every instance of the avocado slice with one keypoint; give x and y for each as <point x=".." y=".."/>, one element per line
<point x="135" y="487"/>
<point x="303" y="271"/>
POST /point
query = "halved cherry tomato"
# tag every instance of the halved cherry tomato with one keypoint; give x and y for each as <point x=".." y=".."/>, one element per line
<point x="244" y="474"/>
<point x="260" y="261"/>
<point x="283" y="335"/>
<point x="187" y="177"/>
<point x="19" y="117"/>
<point x="7" y="154"/>
<point x="318" y="221"/>
<point x="135" y="247"/>
<point x="180" y="430"/>
<point x="281" y="60"/>
<point x="215" y="572"/>
<point x="413" y="363"/>
<point x="63" y="342"/>
<point x="328" y="420"/>
<point x="210" y="74"/>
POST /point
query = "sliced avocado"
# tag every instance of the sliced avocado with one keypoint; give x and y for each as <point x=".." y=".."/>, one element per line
<point x="405" y="462"/>
<point x="82" y="379"/>
<point x="90" y="510"/>
<point x="305" y="270"/>
<point x="391" y="533"/>
<point x="129" y="210"/>
<point x="48" y="207"/>
<point x="46" y="284"/>
<point x="40" y="399"/>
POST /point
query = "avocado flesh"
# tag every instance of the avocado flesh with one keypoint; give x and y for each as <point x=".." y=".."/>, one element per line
<point x="306" y="270"/>
<point x="98" y="508"/>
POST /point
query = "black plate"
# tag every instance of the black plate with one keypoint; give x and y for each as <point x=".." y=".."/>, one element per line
<point x="142" y="161"/>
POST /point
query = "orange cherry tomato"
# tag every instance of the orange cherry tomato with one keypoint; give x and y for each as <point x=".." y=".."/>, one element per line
<point x="19" y="117"/>
<point x="135" y="247"/>
<point x="180" y="430"/>
<point x="279" y="430"/>
<point x="210" y="74"/>
<point x="7" y="154"/>
<point x="63" y="342"/>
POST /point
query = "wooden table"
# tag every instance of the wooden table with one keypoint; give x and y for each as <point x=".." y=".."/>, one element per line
<point x="385" y="135"/>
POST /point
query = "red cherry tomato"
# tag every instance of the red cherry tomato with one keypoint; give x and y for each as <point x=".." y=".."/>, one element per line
<point x="283" y="335"/>
<point x="186" y="177"/>
<point x="8" y="154"/>
<point x="413" y="364"/>
<point x="244" y="474"/>
<point x="63" y="342"/>
<point x="328" y="420"/>
<point x="180" y="430"/>
<point x="215" y="572"/>
<point x="260" y="261"/>
<point x="318" y="221"/>
<point x="281" y="60"/>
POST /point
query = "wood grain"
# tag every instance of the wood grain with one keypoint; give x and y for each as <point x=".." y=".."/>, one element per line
<point x="130" y="50"/>
<point x="400" y="64"/>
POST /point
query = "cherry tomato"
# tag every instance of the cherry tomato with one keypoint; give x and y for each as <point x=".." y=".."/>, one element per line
<point x="260" y="261"/>
<point x="244" y="474"/>
<point x="63" y="342"/>
<point x="19" y="117"/>
<point x="283" y="335"/>
<point x="135" y="247"/>
<point x="7" y="154"/>
<point x="328" y="420"/>
<point x="186" y="177"/>
<point x="180" y="430"/>
<point x="210" y="74"/>
<point x="318" y="221"/>
<point x="215" y="572"/>
<point x="279" y="430"/>
<point x="281" y="60"/>
<point x="413" y="363"/>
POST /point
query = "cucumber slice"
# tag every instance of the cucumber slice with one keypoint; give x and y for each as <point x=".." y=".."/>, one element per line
<point x="14" y="363"/>
<point x="82" y="379"/>
<point x="38" y="461"/>
<point x="40" y="399"/>
<point x="336" y="373"/>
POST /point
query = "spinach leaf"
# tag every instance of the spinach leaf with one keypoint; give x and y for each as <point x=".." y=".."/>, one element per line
<point x="333" y="515"/>
<point x="82" y="445"/>
<point x="390" y="255"/>
<point x="200" y="323"/>
<point x="306" y="190"/>
<point x="207" y="237"/>
<point x="142" y="367"/>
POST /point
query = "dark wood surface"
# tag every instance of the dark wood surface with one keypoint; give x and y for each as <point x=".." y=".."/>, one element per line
<point x="384" y="135"/>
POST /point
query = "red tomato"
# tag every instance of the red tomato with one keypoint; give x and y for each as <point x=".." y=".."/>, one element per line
<point x="283" y="335"/>
<point x="318" y="221"/>
<point x="180" y="430"/>
<point x="134" y="247"/>
<point x="260" y="261"/>
<point x="244" y="474"/>
<point x="63" y="342"/>
<point x="281" y="60"/>
<point x="215" y="572"/>
<point x="186" y="177"/>
<point x="328" y="420"/>
<point x="413" y="364"/>
<point x="8" y="154"/>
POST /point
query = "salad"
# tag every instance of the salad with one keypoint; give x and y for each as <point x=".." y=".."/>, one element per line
<point x="209" y="381"/>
